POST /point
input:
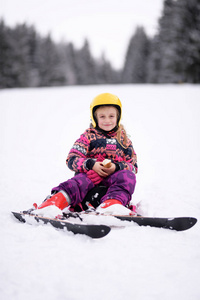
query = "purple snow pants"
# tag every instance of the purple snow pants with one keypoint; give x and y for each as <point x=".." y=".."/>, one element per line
<point x="121" y="185"/>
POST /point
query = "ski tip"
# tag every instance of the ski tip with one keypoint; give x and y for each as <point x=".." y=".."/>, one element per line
<point x="18" y="216"/>
<point x="98" y="231"/>
<point x="192" y="221"/>
<point x="184" y="223"/>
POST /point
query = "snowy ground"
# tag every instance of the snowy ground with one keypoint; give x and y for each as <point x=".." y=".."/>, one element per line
<point x="37" y="129"/>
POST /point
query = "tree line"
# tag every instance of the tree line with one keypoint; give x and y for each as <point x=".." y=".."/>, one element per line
<point x="172" y="56"/>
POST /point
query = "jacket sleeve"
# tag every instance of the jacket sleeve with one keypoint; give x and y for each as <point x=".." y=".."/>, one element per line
<point x="129" y="161"/>
<point x="77" y="159"/>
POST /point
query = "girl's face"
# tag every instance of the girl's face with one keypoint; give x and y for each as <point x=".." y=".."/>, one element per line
<point x="106" y="117"/>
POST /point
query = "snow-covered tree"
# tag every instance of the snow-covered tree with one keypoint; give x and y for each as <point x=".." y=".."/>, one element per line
<point x="134" y="70"/>
<point x="49" y="66"/>
<point x="186" y="61"/>
<point x="27" y="59"/>
<point x="154" y="61"/>
<point x="85" y="65"/>
<point x="5" y="51"/>
<point x="175" y="51"/>
<point x="105" y="71"/>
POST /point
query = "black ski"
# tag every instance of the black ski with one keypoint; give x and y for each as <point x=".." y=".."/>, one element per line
<point x="178" y="223"/>
<point x="93" y="231"/>
<point x="174" y="223"/>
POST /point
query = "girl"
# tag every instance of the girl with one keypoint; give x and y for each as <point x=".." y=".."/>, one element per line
<point x="105" y="139"/>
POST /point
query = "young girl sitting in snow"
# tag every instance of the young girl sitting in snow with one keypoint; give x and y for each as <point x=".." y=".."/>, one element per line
<point x="105" y="139"/>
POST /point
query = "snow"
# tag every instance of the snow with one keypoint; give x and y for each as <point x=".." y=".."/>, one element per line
<point x="37" y="128"/>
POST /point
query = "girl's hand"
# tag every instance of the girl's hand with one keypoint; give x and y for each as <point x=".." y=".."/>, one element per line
<point x="103" y="171"/>
<point x="110" y="170"/>
<point x="99" y="169"/>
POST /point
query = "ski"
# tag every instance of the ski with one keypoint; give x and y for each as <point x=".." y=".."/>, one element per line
<point x="99" y="231"/>
<point x="177" y="223"/>
<point x="93" y="231"/>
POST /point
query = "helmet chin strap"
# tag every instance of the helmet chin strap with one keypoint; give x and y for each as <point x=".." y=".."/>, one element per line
<point x="107" y="132"/>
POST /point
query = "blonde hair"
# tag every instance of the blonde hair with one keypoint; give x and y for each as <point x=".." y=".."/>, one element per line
<point x="124" y="142"/>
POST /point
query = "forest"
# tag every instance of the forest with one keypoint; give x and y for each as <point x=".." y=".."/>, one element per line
<point x="28" y="59"/>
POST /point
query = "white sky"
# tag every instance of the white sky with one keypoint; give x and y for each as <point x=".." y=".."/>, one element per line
<point x="108" y="24"/>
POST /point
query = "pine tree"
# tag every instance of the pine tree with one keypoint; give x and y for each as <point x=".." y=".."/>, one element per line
<point x="5" y="51"/>
<point x="49" y="68"/>
<point x="186" y="62"/>
<point x="175" y="51"/>
<point x="154" y="61"/>
<point x="20" y="56"/>
<point x="105" y="72"/>
<point x="33" y="53"/>
<point x="166" y="44"/>
<point x="86" y="65"/>
<point x="29" y="60"/>
<point x="134" y="70"/>
<point x="70" y="65"/>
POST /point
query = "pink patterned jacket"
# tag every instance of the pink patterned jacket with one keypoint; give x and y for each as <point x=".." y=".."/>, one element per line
<point x="96" y="145"/>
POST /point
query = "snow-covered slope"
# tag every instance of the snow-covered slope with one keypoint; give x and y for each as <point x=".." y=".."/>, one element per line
<point x="37" y="129"/>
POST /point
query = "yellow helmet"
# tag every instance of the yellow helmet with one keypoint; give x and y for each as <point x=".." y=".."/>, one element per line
<point x="105" y="99"/>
